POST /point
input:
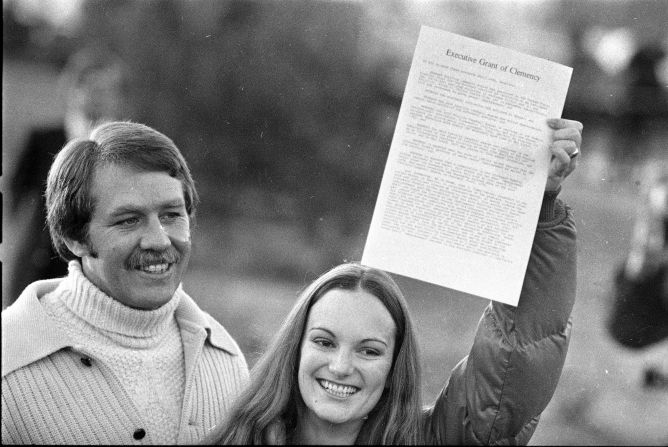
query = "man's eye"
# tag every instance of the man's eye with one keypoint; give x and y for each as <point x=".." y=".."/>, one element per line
<point x="172" y="215"/>
<point x="127" y="222"/>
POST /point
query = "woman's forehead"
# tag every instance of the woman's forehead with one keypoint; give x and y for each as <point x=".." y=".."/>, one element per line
<point x="354" y="314"/>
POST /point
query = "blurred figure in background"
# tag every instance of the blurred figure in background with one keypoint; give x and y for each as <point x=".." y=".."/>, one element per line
<point x="638" y="321"/>
<point x="645" y="103"/>
<point x="639" y="317"/>
<point x="647" y="96"/>
<point x="95" y="85"/>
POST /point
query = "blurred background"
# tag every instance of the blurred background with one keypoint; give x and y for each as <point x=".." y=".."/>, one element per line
<point x="285" y="112"/>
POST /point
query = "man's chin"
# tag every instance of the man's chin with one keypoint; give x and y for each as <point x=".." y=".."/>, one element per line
<point x="151" y="292"/>
<point x="150" y="300"/>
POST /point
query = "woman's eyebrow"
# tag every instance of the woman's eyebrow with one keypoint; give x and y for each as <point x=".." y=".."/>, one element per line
<point x="378" y="340"/>
<point x="318" y="328"/>
<point x="366" y="340"/>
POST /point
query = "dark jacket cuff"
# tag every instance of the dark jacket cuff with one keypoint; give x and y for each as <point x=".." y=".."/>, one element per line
<point x="550" y="208"/>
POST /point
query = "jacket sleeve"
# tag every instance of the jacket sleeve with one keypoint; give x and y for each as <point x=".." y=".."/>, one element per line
<point x="496" y="394"/>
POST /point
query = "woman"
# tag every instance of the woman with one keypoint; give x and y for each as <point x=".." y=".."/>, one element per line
<point x="272" y="406"/>
<point x="344" y="367"/>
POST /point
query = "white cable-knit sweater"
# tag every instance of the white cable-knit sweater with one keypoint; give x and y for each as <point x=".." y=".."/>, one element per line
<point x="80" y="368"/>
<point x="142" y="348"/>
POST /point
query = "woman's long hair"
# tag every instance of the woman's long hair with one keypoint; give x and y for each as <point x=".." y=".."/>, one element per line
<point x="266" y="412"/>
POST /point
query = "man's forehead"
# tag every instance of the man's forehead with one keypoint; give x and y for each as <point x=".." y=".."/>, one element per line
<point x="124" y="186"/>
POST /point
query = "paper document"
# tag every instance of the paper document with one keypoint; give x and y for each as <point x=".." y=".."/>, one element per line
<point x="465" y="175"/>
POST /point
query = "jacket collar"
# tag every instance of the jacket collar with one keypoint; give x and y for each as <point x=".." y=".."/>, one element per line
<point x="29" y="333"/>
<point x="217" y="335"/>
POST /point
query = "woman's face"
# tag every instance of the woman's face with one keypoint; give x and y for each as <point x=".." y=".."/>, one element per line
<point x="346" y="356"/>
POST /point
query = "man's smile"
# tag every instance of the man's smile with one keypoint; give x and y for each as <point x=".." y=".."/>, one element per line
<point x="155" y="269"/>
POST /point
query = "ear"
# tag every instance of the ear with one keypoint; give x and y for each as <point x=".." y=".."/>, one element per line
<point x="78" y="248"/>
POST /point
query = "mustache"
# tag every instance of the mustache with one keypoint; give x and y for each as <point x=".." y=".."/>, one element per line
<point x="141" y="258"/>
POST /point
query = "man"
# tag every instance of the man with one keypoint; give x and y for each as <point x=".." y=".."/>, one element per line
<point x="116" y="352"/>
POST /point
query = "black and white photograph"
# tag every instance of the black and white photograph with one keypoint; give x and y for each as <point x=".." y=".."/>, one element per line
<point x="334" y="222"/>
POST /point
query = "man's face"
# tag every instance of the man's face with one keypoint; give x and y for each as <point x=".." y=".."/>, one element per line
<point x="138" y="243"/>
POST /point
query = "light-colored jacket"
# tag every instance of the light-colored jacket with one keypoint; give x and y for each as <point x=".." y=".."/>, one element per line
<point x="55" y="392"/>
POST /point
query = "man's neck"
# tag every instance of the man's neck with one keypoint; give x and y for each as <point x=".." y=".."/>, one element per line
<point x="107" y="314"/>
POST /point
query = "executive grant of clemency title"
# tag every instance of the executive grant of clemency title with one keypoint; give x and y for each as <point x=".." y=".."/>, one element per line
<point x="490" y="64"/>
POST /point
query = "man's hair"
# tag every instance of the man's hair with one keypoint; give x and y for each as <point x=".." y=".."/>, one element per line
<point x="266" y="411"/>
<point x="69" y="203"/>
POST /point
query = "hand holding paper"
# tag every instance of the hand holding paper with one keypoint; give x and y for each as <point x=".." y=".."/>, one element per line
<point x="565" y="147"/>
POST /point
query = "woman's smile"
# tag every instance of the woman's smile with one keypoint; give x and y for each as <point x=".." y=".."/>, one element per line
<point x="337" y="390"/>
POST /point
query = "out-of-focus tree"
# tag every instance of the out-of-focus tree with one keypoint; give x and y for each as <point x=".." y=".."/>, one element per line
<point x="286" y="110"/>
<point x="268" y="97"/>
<point x="32" y="37"/>
<point x="15" y="34"/>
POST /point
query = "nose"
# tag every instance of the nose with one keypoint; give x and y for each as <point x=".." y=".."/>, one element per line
<point x="155" y="236"/>
<point x="341" y="363"/>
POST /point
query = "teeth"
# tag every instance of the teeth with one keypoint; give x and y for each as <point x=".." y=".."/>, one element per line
<point x="338" y="390"/>
<point x="156" y="268"/>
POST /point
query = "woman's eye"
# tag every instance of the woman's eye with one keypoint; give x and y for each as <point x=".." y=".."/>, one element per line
<point x="370" y="352"/>
<point x="323" y="342"/>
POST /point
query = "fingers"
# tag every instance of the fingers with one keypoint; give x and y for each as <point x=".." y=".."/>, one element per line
<point x="559" y="170"/>
<point x="562" y="123"/>
<point x="561" y="164"/>
<point x="565" y="146"/>
<point x="561" y="151"/>
<point x="565" y="149"/>
<point x="567" y="136"/>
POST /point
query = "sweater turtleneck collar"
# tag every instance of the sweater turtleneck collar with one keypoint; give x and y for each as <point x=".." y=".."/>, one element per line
<point x="100" y="310"/>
